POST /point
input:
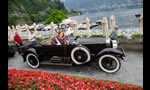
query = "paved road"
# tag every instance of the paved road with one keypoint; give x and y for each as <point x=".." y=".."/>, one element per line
<point x="131" y="71"/>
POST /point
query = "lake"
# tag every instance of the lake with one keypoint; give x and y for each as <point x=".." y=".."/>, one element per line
<point x="125" y="19"/>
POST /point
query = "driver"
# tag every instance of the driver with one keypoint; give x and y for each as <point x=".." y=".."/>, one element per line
<point x="59" y="39"/>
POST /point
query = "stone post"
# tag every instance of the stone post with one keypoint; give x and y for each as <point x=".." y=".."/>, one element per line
<point x="105" y="26"/>
<point x="88" y="27"/>
<point x="13" y="30"/>
<point x="141" y="23"/>
<point x="19" y="30"/>
<point x="9" y="33"/>
<point x="27" y="30"/>
<point x="75" y="28"/>
<point x="35" y="29"/>
<point x="112" y="22"/>
<point x="52" y="29"/>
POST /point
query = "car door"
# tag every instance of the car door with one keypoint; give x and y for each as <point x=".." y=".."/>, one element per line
<point x="54" y="50"/>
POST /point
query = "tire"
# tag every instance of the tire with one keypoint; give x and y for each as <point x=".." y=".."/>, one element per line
<point x="80" y="55"/>
<point x="32" y="60"/>
<point x="11" y="54"/>
<point x="105" y="63"/>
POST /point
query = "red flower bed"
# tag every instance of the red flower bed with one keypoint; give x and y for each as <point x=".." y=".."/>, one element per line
<point x="39" y="80"/>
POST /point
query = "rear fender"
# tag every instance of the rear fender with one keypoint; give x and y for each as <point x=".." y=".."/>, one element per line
<point x="30" y="50"/>
<point x="110" y="51"/>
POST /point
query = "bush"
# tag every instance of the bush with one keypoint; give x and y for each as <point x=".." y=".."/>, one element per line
<point x="35" y="80"/>
<point x="137" y="35"/>
<point x="97" y="35"/>
<point x="43" y="38"/>
<point x="122" y="36"/>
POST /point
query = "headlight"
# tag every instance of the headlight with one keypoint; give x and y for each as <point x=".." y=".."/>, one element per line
<point x="114" y="44"/>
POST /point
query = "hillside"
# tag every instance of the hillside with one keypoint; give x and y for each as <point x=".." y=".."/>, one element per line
<point x="29" y="11"/>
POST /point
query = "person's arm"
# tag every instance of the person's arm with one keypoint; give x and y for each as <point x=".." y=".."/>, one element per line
<point x="17" y="43"/>
<point x="112" y="34"/>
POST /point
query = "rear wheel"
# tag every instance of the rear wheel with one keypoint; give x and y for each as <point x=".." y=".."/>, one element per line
<point x="109" y="63"/>
<point x="32" y="60"/>
<point x="12" y="53"/>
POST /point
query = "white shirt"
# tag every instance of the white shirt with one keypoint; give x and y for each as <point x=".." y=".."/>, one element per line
<point x="31" y="37"/>
<point x="69" y="31"/>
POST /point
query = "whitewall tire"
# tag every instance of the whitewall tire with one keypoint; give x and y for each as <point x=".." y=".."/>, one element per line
<point x="80" y="55"/>
<point x="32" y="60"/>
<point x="105" y="63"/>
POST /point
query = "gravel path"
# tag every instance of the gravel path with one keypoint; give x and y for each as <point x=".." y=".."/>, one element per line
<point x="131" y="71"/>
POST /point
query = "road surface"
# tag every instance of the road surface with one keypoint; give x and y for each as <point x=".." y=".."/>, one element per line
<point x="131" y="71"/>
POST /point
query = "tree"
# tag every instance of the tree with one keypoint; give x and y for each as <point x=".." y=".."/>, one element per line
<point x="56" y="17"/>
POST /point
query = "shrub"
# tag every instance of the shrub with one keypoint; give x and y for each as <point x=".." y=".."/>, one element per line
<point x="97" y="35"/>
<point x="122" y="36"/>
<point x="137" y="35"/>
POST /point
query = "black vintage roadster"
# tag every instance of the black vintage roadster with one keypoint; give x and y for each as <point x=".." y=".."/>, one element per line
<point x="76" y="51"/>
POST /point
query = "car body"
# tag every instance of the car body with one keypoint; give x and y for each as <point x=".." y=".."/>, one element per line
<point x="11" y="51"/>
<point x="78" y="51"/>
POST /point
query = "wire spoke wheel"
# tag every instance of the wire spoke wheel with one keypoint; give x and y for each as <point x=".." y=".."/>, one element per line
<point x="80" y="55"/>
<point x="109" y="63"/>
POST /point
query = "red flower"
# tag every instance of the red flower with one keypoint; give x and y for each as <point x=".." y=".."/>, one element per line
<point x="25" y="84"/>
<point x="22" y="79"/>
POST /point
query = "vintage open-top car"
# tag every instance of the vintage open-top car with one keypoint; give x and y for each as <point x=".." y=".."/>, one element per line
<point x="76" y="51"/>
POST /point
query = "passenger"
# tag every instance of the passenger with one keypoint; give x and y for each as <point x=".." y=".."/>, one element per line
<point x="18" y="41"/>
<point x="69" y="31"/>
<point x="59" y="39"/>
<point x="32" y="37"/>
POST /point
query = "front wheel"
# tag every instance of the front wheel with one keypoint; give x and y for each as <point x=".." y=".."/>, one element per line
<point x="32" y="60"/>
<point x="109" y="63"/>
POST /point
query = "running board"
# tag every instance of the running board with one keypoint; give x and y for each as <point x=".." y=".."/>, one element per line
<point x="50" y="63"/>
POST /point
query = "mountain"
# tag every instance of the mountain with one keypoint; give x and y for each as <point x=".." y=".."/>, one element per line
<point x="29" y="11"/>
<point x="92" y="5"/>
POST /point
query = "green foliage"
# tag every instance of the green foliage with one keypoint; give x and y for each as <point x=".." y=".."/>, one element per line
<point x="56" y="16"/>
<point x="29" y="11"/>
<point x="43" y="38"/>
<point x="97" y="35"/>
<point x="122" y="36"/>
<point x="137" y="35"/>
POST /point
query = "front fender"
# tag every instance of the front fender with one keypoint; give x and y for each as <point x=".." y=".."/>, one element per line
<point x="110" y="50"/>
<point x="30" y="50"/>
